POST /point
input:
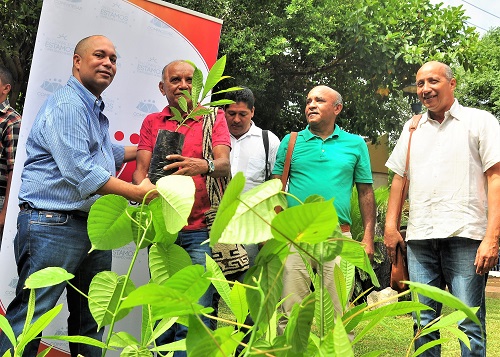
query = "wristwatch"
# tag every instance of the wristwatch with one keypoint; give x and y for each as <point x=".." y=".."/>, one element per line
<point x="211" y="166"/>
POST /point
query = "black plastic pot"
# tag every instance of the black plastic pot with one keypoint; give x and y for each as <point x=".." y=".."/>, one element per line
<point x="167" y="143"/>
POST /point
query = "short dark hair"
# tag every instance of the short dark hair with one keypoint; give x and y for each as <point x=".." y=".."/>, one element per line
<point x="6" y="75"/>
<point x="244" y="95"/>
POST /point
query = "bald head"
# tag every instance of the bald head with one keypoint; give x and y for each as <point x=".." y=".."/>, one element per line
<point x="85" y="44"/>
<point x="438" y="66"/>
<point x="323" y="105"/>
<point x="94" y="63"/>
<point x="177" y="76"/>
<point x="435" y="88"/>
<point x="330" y="91"/>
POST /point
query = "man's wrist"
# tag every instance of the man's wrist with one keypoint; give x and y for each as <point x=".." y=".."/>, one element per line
<point x="210" y="166"/>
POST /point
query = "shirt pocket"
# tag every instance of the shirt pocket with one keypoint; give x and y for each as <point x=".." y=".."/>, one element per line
<point x="256" y="169"/>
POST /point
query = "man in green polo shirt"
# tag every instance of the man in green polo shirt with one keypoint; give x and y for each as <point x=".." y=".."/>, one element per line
<point x="326" y="161"/>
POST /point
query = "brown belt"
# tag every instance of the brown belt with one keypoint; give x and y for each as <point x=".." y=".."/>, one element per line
<point x="345" y="228"/>
<point x="75" y="214"/>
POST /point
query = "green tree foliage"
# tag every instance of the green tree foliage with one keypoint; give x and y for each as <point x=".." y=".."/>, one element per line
<point x="367" y="49"/>
<point x="481" y="88"/>
<point x="17" y="41"/>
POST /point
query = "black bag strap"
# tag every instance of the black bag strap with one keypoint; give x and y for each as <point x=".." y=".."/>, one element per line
<point x="265" y="139"/>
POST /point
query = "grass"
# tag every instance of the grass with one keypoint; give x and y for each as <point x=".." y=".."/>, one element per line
<point x="394" y="334"/>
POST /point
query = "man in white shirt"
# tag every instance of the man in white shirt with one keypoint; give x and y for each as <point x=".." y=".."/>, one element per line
<point x="454" y="194"/>
<point x="248" y="153"/>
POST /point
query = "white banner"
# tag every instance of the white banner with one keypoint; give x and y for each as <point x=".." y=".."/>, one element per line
<point x="147" y="36"/>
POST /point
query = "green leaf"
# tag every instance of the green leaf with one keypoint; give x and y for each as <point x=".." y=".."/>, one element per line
<point x="177" y="115"/>
<point x="327" y="313"/>
<point x="109" y="224"/>
<point x="340" y="286"/>
<point x="32" y="332"/>
<point x="214" y="75"/>
<point x="142" y="226"/>
<point x="122" y="339"/>
<point x="166" y="260"/>
<point x="191" y="281"/>
<point x="44" y="352"/>
<point x="161" y="233"/>
<point x="231" y="89"/>
<point x="178" y="296"/>
<point x="299" y="324"/>
<point x="201" y="341"/>
<point x="174" y="346"/>
<point x="349" y="272"/>
<point x="199" y="111"/>
<point x="7" y="330"/>
<point x="250" y="223"/>
<point x="135" y="351"/>
<point x="227" y="207"/>
<point x="49" y="276"/>
<point x="239" y="304"/>
<point x="77" y="339"/>
<point x="449" y="322"/>
<point x="220" y="283"/>
<point x="353" y="316"/>
<point x="158" y="296"/>
<point x="395" y="309"/>
<point x="147" y="325"/>
<point x="269" y="274"/>
<point x="445" y="298"/>
<point x="429" y="345"/>
<point x="196" y="86"/>
<point x="160" y="328"/>
<point x="272" y="249"/>
<point x="30" y="312"/>
<point x="183" y="104"/>
<point x="177" y="203"/>
<point x="219" y="103"/>
<point x="354" y="253"/>
<point x="310" y="223"/>
<point x="104" y="297"/>
<point x="343" y="347"/>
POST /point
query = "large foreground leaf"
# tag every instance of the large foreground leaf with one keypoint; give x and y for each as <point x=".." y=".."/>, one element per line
<point x="47" y="277"/>
<point x="109" y="225"/>
<point x="177" y="192"/>
<point x="308" y="223"/>
<point x="178" y="296"/>
<point x="104" y="297"/>
<point x="299" y="324"/>
<point x="161" y="233"/>
<point x="166" y="260"/>
<point x="38" y="326"/>
<point x="227" y="206"/>
<point x="250" y="223"/>
<point x="270" y="274"/>
<point x="201" y="341"/>
<point x="445" y="298"/>
<point x="220" y="283"/>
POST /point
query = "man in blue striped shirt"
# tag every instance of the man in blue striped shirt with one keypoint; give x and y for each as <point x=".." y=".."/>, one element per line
<point x="71" y="163"/>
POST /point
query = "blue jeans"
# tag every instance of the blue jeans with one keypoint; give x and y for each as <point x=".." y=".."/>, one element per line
<point x="191" y="242"/>
<point x="449" y="262"/>
<point x="46" y="239"/>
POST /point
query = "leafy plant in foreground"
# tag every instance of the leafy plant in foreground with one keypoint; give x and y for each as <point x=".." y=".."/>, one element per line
<point x="176" y="284"/>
